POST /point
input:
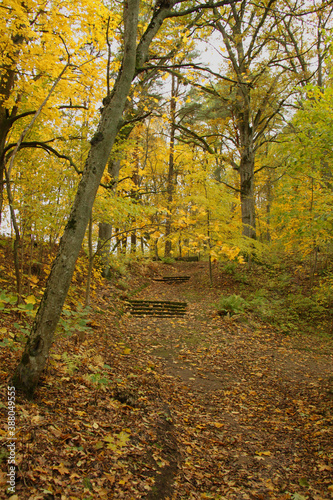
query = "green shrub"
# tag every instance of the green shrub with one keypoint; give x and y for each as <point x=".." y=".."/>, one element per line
<point x="73" y="321"/>
<point x="267" y="308"/>
<point x="304" y="307"/>
<point x="233" y="304"/>
<point x="8" y="304"/>
<point x="7" y="299"/>
<point x="230" y="268"/>
<point x="168" y="260"/>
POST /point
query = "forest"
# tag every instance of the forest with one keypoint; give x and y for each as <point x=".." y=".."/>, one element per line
<point x="166" y="250"/>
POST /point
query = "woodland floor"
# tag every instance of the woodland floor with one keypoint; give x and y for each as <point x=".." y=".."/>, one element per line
<point x="188" y="408"/>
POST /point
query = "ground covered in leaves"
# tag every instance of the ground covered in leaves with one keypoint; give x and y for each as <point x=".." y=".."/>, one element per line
<point x="201" y="406"/>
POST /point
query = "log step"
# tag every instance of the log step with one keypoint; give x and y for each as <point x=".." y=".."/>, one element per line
<point x="194" y="258"/>
<point x="156" y="308"/>
<point x="173" y="279"/>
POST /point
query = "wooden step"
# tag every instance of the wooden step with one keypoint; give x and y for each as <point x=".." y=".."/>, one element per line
<point x="159" y="308"/>
<point x="173" y="279"/>
<point x="194" y="258"/>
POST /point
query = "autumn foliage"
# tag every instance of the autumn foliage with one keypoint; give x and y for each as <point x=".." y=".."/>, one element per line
<point x="140" y="140"/>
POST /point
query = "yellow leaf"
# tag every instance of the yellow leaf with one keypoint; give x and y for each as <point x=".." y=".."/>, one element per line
<point x="324" y="467"/>
<point x="61" y="468"/>
<point x="31" y="300"/>
<point x="98" y="445"/>
<point x="98" y="360"/>
<point x="110" y="477"/>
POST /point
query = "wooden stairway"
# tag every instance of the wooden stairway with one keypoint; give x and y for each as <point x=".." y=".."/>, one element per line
<point x="158" y="308"/>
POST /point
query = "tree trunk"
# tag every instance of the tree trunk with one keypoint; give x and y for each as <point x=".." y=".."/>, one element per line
<point x="6" y="84"/>
<point x="134" y="195"/>
<point x="8" y="116"/>
<point x="90" y="263"/>
<point x="133" y="242"/>
<point x="268" y="208"/>
<point x="104" y="228"/>
<point x="124" y="243"/>
<point x="17" y="241"/>
<point x="104" y="246"/>
<point x="36" y="352"/>
<point x="246" y="172"/>
<point x="246" y="166"/>
<point x="170" y="184"/>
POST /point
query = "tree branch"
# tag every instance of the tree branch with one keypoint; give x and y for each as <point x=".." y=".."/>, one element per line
<point x="45" y="147"/>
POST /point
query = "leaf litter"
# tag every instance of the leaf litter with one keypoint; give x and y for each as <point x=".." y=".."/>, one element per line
<point x="177" y="408"/>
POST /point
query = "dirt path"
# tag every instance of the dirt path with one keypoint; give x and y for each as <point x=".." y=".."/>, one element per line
<point x="190" y="408"/>
<point x="250" y="409"/>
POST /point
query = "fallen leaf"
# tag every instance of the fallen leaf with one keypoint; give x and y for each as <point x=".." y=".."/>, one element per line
<point x="31" y="300"/>
<point x="303" y="482"/>
<point x="60" y="468"/>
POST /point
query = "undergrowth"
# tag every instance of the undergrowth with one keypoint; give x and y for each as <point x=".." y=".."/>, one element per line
<point x="278" y="295"/>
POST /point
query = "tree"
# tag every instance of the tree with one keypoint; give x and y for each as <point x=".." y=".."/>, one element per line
<point x="301" y="215"/>
<point x="41" y="72"/>
<point x="134" y="57"/>
<point x="267" y="52"/>
<point x="38" y="49"/>
<point x="171" y="174"/>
